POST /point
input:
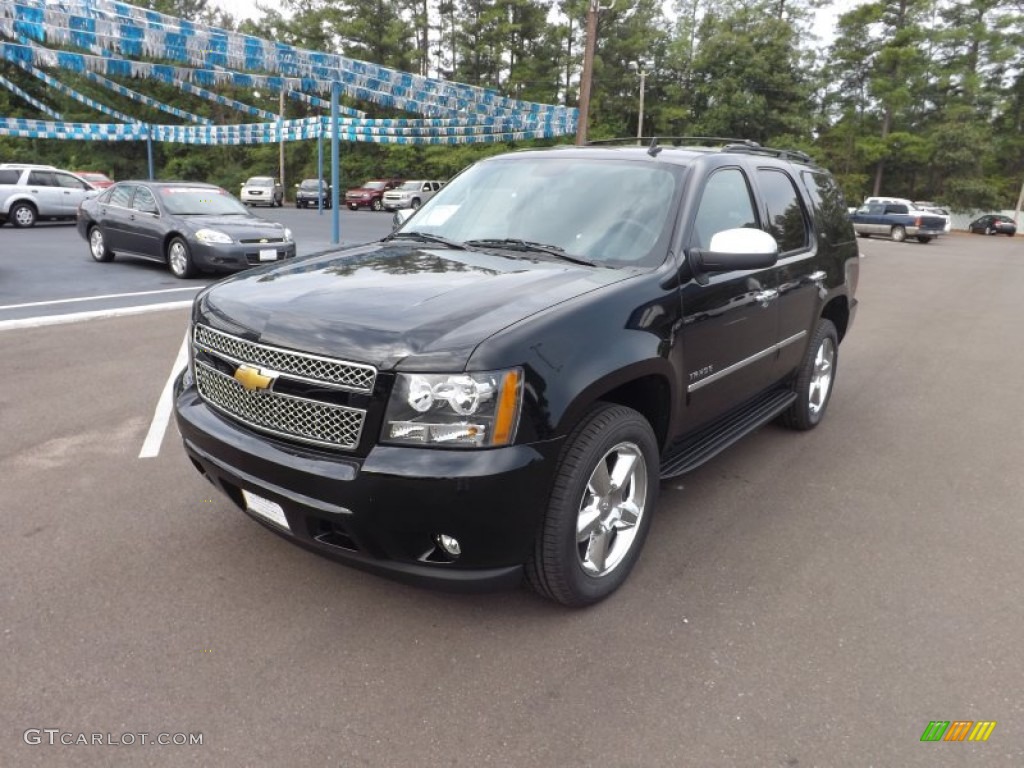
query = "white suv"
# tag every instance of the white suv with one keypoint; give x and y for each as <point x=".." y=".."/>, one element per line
<point x="263" y="190"/>
<point x="412" y="194"/>
<point x="29" y="193"/>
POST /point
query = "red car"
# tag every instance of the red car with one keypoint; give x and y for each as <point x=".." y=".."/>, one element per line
<point x="371" y="194"/>
<point x="97" y="179"/>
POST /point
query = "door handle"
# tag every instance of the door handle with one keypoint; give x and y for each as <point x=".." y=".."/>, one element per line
<point x="764" y="297"/>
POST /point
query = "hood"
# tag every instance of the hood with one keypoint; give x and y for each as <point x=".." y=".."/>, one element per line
<point x="394" y="306"/>
<point x="238" y="227"/>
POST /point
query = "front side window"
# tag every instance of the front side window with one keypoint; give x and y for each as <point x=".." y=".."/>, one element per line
<point x="144" y="201"/>
<point x="725" y="204"/>
<point x="69" y="182"/>
<point x="787" y="221"/>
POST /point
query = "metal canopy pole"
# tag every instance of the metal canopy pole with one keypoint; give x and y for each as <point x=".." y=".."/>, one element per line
<point x="335" y="165"/>
<point x="320" y="166"/>
<point x="149" y="149"/>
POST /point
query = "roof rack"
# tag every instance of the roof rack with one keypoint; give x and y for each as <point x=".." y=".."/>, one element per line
<point x="672" y="141"/>
<point x="656" y="143"/>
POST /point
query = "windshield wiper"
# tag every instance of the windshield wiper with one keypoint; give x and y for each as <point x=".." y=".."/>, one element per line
<point x="428" y="238"/>
<point x="515" y="244"/>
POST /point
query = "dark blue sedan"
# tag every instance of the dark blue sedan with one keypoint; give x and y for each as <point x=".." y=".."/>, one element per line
<point x="189" y="226"/>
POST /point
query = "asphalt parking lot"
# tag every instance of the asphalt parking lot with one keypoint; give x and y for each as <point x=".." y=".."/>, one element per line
<point x="809" y="599"/>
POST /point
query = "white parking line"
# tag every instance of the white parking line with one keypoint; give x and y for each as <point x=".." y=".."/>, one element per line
<point x="162" y="414"/>
<point x="97" y="298"/>
<point x="75" y="317"/>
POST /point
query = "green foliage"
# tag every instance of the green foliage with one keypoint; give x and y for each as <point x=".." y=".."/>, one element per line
<point x="920" y="98"/>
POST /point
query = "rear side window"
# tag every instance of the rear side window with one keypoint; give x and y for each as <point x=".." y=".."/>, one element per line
<point x="122" y="195"/>
<point x="9" y="176"/>
<point x="828" y="199"/>
<point x="787" y="221"/>
<point x="41" y="179"/>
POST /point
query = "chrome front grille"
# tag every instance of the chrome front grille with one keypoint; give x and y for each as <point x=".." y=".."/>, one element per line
<point x="298" y="418"/>
<point x="339" y="374"/>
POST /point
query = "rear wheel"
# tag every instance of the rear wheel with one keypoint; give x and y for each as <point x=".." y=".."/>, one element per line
<point x="98" y="245"/>
<point x="899" y="234"/>
<point x="989" y="231"/>
<point x="22" y="215"/>
<point x="923" y="239"/>
<point x="814" y="381"/>
<point x="600" y="508"/>
<point x="179" y="259"/>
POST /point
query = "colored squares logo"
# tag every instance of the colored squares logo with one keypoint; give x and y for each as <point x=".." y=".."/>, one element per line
<point x="958" y="730"/>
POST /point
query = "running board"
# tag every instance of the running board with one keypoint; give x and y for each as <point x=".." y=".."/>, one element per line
<point x="714" y="439"/>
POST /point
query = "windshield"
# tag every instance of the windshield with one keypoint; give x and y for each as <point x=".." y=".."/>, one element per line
<point x="260" y="181"/>
<point x="411" y="186"/>
<point x="94" y="177"/>
<point x="374" y="185"/>
<point x="200" y="201"/>
<point x="615" y="212"/>
<point x="312" y="184"/>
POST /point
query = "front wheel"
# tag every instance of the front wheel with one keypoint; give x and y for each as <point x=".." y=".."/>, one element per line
<point x="899" y="234"/>
<point x="353" y="207"/>
<point x="98" y="245"/>
<point x="600" y="508"/>
<point x="814" y="381"/>
<point x="179" y="259"/>
<point x="377" y="205"/>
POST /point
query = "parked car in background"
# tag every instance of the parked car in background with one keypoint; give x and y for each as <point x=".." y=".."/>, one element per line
<point x="412" y="194"/>
<point x="370" y="194"/>
<point x="97" y="179"/>
<point x="993" y="224"/>
<point x="897" y="221"/>
<point x="263" y="190"/>
<point x="189" y="226"/>
<point x="310" y="191"/>
<point x="937" y="210"/>
<point x="29" y="193"/>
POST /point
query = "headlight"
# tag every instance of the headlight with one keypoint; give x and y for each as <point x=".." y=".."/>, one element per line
<point x="212" y="236"/>
<point x="287" y="234"/>
<point x="464" y="410"/>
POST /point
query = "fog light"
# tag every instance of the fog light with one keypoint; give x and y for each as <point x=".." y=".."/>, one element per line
<point x="449" y="544"/>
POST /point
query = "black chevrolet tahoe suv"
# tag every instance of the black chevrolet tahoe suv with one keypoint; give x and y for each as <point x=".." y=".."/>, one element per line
<point x="495" y="389"/>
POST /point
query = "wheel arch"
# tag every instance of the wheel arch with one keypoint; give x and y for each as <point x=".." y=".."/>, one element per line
<point x="838" y="311"/>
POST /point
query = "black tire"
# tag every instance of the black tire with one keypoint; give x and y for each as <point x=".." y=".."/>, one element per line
<point x="989" y="231"/>
<point x="353" y="207"/>
<point x="416" y="203"/>
<point x="98" y="245"/>
<point x="560" y="566"/>
<point x="299" y="205"/>
<point x="898" y="233"/>
<point x="923" y="239"/>
<point x="179" y="259"/>
<point x="377" y="205"/>
<point x="865" y="235"/>
<point x="23" y="215"/>
<point x="809" y="408"/>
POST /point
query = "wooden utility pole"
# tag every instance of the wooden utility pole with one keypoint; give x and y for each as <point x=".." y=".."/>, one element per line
<point x="588" y="69"/>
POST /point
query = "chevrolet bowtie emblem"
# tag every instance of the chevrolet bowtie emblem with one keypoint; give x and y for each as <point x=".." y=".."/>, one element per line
<point x="251" y="378"/>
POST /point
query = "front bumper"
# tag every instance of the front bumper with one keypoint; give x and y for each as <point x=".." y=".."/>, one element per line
<point x="382" y="512"/>
<point x="234" y="256"/>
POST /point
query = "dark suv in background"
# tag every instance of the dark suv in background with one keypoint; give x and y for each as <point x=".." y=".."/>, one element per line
<point x="495" y="389"/>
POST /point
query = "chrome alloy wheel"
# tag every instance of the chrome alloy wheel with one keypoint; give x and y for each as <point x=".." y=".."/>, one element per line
<point x="821" y="379"/>
<point x="611" y="509"/>
<point x="96" y="245"/>
<point x="178" y="258"/>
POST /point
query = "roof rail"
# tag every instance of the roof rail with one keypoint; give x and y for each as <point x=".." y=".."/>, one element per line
<point x="672" y="141"/>
<point x="782" y="154"/>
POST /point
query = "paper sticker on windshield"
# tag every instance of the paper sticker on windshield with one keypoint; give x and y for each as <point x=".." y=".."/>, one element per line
<point x="437" y="215"/>
<point x="191" y="191"/>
